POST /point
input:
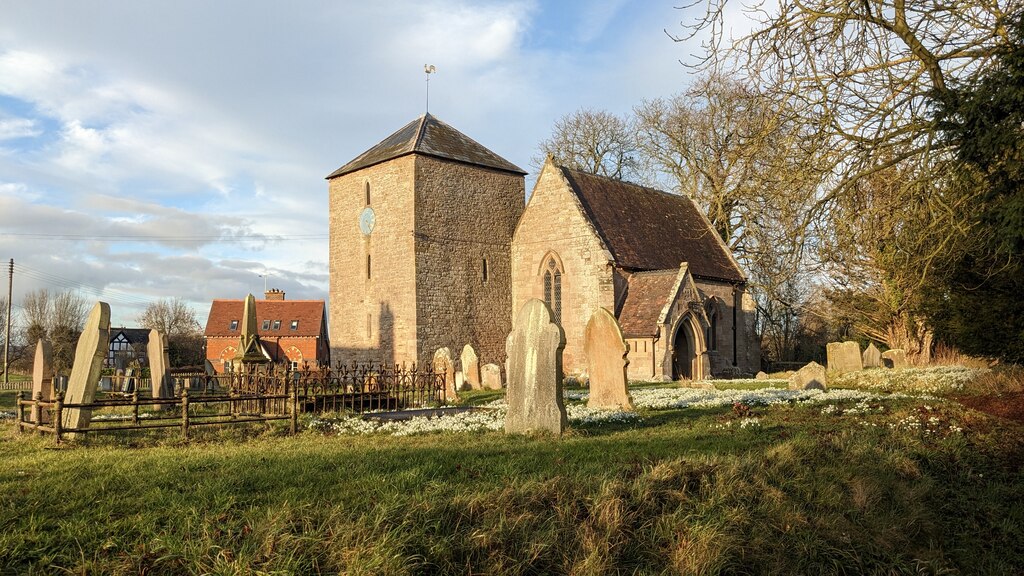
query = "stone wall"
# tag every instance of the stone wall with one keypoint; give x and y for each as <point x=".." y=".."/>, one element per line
<point x="464" y="216"/>
<point x="373" y="318"/>
<point x="554" y="223"/>
<point x="747" y="352"/>
<point x="642" y="362"/>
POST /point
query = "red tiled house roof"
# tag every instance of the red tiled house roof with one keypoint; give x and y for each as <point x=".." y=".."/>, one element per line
<point x="647" y="295"/>
<point x="647" y="229"/>
<point x="309" y="313"/>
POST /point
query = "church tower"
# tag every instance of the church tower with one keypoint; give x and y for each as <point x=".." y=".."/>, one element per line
<point x="420" y="243"/>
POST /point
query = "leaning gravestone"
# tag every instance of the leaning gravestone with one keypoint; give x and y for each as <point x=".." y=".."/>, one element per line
<point x="606" y="352"/>
<point x="895" y="358"/>
<point x="470" y="367"/>
<point x="761" y="376"/>
<point x="490" y="377"/>
<point x="534" y="351"/>
<point x="161" y="384"/>
<point x="85" y="373"/>
<point x="443" y="363"/>
<point x="810" y="377"/>
<point x="42" y="377"/>
<point x="844" y="357"/>
<point x="872" y="357"/>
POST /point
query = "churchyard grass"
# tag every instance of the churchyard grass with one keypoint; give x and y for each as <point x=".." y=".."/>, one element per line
<point x="863" y="482"/>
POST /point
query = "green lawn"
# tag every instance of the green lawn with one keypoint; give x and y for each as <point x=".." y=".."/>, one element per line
<point x="790" y="488"/>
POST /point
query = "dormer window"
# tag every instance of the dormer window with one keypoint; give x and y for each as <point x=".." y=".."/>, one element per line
<point x="234" y="325"/>
<point x="295" y="325"/>
<point x="277" y="324"/>
<point x="266" y="325"/>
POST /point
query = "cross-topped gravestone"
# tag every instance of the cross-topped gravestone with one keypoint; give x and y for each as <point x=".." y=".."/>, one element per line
<point x="535" y="372"/>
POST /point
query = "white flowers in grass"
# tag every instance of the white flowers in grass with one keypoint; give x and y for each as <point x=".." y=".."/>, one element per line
<point x="665" y="398"/>
<point x="932" y="379"/>
<point x="5" y="415"/>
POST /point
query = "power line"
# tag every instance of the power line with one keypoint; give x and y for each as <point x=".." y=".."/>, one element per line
<point x="212" y="238"/>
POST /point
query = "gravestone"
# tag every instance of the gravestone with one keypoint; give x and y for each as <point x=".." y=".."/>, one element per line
<point x="129" y="381"/>
<point x="534" y="349"/>
<point x="42" y="376"/>
<point x="85" y="373"/>
<point x="443" y="363"/>
<point x="872" y="357"/>
<point x="460" y="381"/>
<point x="843" y="357"/>
<point x="895" y="358"/>
<point x="606" y="352"/>
<point x="470" y="367"/>
<point x="490" y="377"/>
<point x="161" y="384"/>
<point x="810" y="377"/>
<point x="761" y="376"/>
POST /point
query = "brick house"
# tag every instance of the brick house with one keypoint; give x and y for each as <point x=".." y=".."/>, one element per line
<point x="651" y="258"/>
<point x="292" y="331"/>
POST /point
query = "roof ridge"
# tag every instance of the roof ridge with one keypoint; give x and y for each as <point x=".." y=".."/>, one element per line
<point x="421" y="131"/>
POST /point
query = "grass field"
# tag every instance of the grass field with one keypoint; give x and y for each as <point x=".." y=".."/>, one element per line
<point x="890" y="484"/>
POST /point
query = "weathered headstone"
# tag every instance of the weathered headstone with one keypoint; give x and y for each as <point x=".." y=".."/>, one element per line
<point x="534" y="351"/>
<point x="761" y="376"/>
<point x="460" y="381"/>
<point x="161" y="384"/>
<point x="490" y="377"/>
<point x="85" y="373"/>
<point x="811" y="376"/>
<point x="470" y="367"/>
<point x="844" y="357"/>
<point x="895" y="358"/>
<point x="42" y="376"/>
<point x="606" y="352"/>
<point x="872" y="357"/>
<point x="444" y="364"/>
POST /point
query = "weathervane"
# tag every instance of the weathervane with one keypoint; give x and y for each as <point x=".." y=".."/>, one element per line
<point x="428" y="69"/>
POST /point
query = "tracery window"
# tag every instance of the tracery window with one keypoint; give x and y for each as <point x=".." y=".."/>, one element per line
<point x="553" y="288"/>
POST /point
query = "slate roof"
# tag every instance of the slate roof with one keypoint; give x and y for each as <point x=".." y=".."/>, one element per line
<point x="134" y="335"/>
<point x="646" y="296"/>
<point x="647" y="229"/>
<point x="309" y="313"/>
<point x="429" y="136"/>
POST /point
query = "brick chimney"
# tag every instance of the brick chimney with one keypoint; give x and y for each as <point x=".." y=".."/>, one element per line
<point x="274" y="294"/>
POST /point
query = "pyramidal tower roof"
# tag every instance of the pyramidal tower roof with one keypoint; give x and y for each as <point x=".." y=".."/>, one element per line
<point x="432" y="137"/>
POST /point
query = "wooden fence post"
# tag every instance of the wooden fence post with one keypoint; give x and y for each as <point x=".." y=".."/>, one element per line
<point x="184" y="414"/>
<point x="20" y="410"/>
<point x="295" y="408"/>
<point x="135" y="407"/>
<point x="37" y="410"/>
<point x="58" y="416"/>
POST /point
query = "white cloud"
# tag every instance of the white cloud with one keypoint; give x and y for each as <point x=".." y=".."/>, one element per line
<point x="11" y="128"/>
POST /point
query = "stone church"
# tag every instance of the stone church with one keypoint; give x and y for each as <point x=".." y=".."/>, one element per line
<point x="431" y="246"/>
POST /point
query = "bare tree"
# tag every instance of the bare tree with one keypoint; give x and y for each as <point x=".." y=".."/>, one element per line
<point x="176" y="319"/>
<point x="58" y="317"/>
<point x="593" y="141"/>
<point x="36" y="311"/>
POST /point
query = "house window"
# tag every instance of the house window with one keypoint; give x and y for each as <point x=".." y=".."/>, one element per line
<point x="234" y="325"/>
<point x="266" y="325"/>
<point x="367" y="193"/>
<point x="485" y="270"/>
<point x="277" y="324"/>
<point x="553" y="289"/>
<point x="295" y="325"/>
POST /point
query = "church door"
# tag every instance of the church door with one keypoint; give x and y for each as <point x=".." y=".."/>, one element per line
<point x="682" y="353"/>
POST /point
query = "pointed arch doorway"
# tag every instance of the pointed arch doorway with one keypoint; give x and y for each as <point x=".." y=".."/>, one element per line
<point x="684" y="354"/>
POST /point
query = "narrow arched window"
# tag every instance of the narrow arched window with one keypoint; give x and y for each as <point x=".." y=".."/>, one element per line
<point x="367" y="266"/>
<point x="485" y="271"/>
<point x="712" y="335"/>
<point x="367" y="193"/>
<point x="553" y="289"/>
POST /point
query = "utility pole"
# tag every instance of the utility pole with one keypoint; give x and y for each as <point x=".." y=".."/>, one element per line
<point x="7" y="340"/>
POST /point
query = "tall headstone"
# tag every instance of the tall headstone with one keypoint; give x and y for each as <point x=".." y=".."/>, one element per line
<point x="606" y="352"/>
<point x="811" y="376"/>
<point x="490" y="377"/>
<point x="534" y="351"/>
<point x="250" y="351"/>
<point x="843" y="357"/>
<point x="895" y="358"/>
<point x="444" y="364"/>
<point x="42" y="376"/>
<point x="85" y="373"/>
<point x="470" y="367"/>
<point x="159" y="363"/>
<point x="872" y="357"/>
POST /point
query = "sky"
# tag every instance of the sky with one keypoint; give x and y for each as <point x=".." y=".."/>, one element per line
<point x="156" y="150"/>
